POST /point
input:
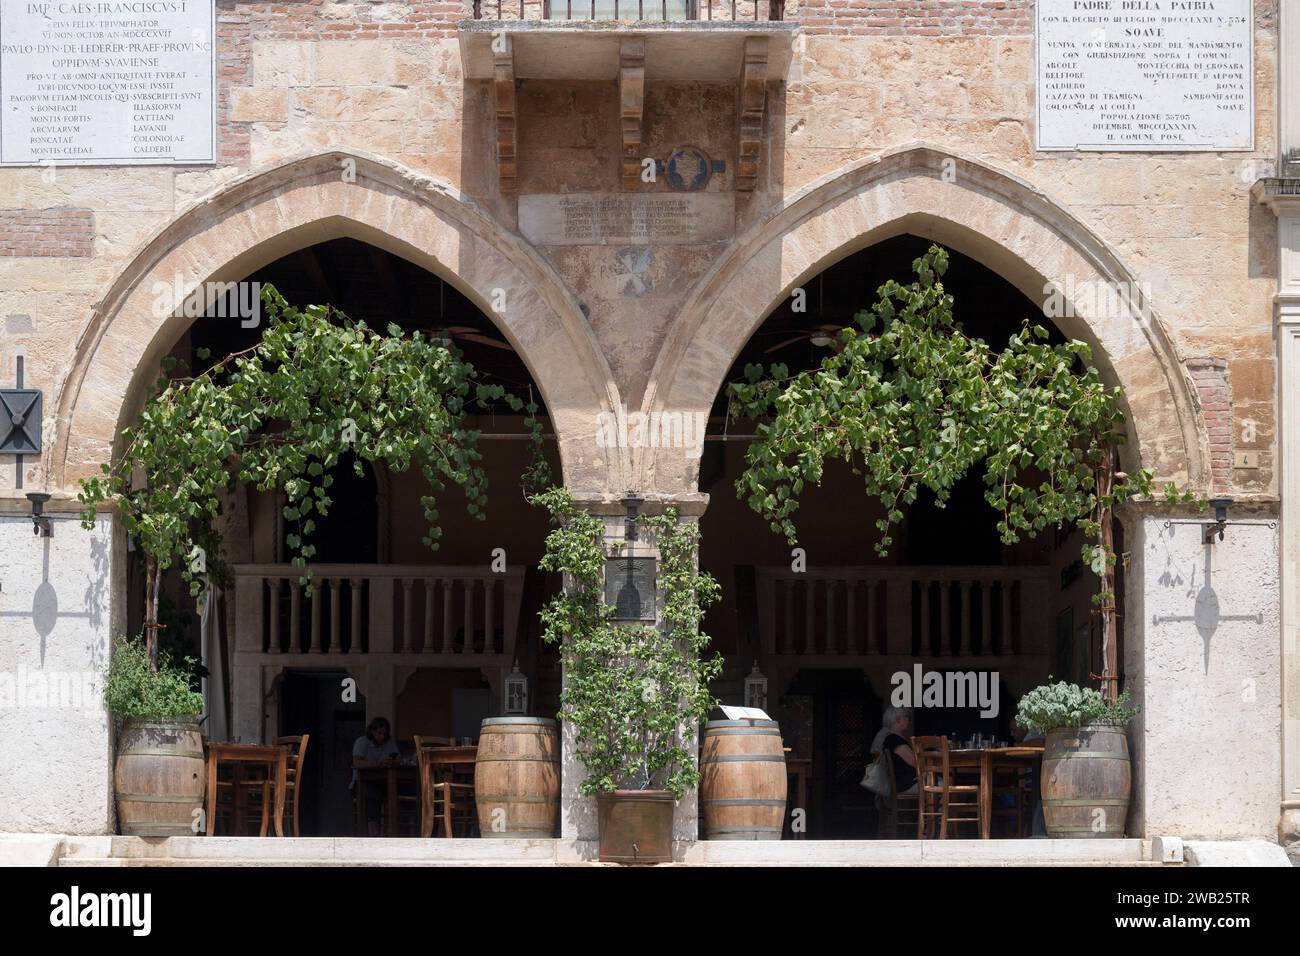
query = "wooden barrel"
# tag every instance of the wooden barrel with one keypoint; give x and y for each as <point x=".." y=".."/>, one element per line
<point x="517" y="777"/>
<point x="1086" y="782"/>
<point x="159" y="778"/>
<point x="742" y="780"/>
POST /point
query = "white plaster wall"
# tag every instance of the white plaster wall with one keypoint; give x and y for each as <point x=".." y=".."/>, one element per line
<point x="1203" y="661"/>
<point x="55" y="622"/>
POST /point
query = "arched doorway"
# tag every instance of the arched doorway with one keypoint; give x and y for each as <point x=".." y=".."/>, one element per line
<point x="292" y="660"/>
<point x="836" y="628"/>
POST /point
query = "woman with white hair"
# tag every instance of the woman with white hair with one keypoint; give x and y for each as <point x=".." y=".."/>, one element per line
<point x="892" y="738"/>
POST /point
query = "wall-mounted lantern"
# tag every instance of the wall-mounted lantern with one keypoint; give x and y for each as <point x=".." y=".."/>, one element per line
<point x="1220" y="506"/>
<point x="40" y="523"/>
<point x="629" y="580"/>
<point x="756" y="689"/>
<point x="516" y="692"/>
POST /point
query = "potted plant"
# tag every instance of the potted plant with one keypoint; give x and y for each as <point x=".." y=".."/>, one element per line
<point x="159" y="772"/>
<point x="1086" y="776"/>
<point x="635" y="694"/>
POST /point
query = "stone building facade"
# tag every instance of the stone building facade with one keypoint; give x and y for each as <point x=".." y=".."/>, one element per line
<point x="463" y="143"/>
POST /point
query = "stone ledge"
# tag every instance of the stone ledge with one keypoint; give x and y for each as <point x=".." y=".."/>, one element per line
<point x="1235" y="853"/>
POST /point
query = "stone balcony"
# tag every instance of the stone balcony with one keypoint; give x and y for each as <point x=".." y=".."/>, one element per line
<point x="746" y="42"/>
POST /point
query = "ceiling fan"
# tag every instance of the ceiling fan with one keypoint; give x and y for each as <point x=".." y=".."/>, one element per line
<point x="469" y="334"/>
<point x="821" y="336"/>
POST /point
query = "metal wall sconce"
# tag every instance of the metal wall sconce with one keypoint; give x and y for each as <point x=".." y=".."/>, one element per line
<point x="1220" y="506"/>
<point x="1219" y="525"/>
<point x="632" y="503"/>
<point x="41" y="524"/>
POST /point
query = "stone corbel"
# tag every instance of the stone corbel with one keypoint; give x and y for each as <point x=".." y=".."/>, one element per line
<point x="753" y="105"/>
<point x="503" y="81"/>
<point x="631" y="88"/>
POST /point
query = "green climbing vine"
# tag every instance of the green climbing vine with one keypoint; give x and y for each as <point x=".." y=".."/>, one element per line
<point x="279" y="416"/>
<point x="635" y="693"/>
<point x="909" y="401"/>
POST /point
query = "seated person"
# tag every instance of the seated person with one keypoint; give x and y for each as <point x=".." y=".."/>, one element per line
<point x="894" y="741"/>
<point x="376" y="749"/>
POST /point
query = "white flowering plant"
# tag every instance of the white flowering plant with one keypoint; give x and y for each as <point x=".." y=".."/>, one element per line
<point x="1052" y="706"/>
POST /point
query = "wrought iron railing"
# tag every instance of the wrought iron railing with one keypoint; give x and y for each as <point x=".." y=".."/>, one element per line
<point x="643" y="10"/>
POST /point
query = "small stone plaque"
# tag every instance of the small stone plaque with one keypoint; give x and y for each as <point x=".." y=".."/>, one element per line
<point x="630" y="588"/>
<point x="579" y="219"/>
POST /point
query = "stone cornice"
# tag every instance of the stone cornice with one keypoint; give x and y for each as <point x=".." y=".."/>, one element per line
<point x="1278" y="194"/>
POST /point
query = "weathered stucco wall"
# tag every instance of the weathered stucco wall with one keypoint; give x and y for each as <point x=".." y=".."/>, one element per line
<point x="1206" y="675"/>
<point x="55" y="631"/>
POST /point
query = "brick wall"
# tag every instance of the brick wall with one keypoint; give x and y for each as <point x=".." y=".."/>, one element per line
<point x="46" y="232"/>
<point x="1210" y="376"/>
<point x="917" y="17"/>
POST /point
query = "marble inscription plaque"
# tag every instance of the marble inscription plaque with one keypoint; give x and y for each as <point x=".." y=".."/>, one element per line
<point x="119" y="82"/>
<point x="1137" y="75"/>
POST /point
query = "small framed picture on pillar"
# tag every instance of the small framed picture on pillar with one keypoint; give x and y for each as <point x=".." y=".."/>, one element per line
<point x="630" y="588"/>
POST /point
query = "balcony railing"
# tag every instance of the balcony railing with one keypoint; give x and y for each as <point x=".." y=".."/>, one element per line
<point x="451" y="611"/>
<point x="631" y="10"/>
<point x="932" y="611"/>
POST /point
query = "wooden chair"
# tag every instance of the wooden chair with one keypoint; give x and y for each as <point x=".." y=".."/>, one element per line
<point x="1009" y="781"/>
<point x="899" y="805"/>
<point x="943" y="799"/>
<point x="441" y="800"/>
<point x="293" y="773"/>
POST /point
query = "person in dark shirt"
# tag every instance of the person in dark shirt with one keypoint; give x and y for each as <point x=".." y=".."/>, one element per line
<point x="897" y="744"/>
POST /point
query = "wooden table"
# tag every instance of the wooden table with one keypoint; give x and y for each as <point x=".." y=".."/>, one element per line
<point x="390" y="774"/>
<point x="985" y="760"/>
<point x="448" y="761"/>
<point x="239" y="756"/>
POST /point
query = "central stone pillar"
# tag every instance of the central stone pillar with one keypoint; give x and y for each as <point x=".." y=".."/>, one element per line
<point x="578" y="812"/>
<point x="1201" y="662"/>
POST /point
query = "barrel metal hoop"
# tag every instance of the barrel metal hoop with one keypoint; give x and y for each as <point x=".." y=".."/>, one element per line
<point x="743" y="758"/>
<point x="159" y="798"/>
<point x="490" y="758"/>
<point x="1098" y="754"/>
<point x="717" y="831"/>
<point x="196" y="754"/>
<point x="504" y="799"/>
<point x="1080" y="802"/>
<point x="742" y="803"/>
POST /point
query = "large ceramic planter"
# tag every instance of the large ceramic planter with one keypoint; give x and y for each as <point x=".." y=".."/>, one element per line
<point x="517" y="778"/>
<point x="159" y="777"/>
<point x="636" y="826"/>
<point x="1087" y="780"/>
<point x="742" y="780"/>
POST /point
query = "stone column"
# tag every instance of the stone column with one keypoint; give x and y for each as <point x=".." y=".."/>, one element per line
<point x="61" y="602"/>
<point x="1201" y="662"/>
<point x="1287" y="315"/>
<point x="1288" y="60"/>
<point x="577" y="812"/>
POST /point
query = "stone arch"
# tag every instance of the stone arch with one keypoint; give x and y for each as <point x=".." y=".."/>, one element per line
<point x="272" y="213"/>
<point x="1003" y="222"/>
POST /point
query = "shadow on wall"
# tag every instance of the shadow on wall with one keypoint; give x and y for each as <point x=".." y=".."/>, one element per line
<point x="1206" y="612"/>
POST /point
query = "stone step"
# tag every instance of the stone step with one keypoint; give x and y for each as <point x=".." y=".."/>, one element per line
<point x="119" y="851"/>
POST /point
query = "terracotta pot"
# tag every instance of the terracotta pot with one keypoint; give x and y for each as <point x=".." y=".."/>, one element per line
<point x="159" y="777"/>
<point x="1086" y="782"/>
<point x="636" y="826"/>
